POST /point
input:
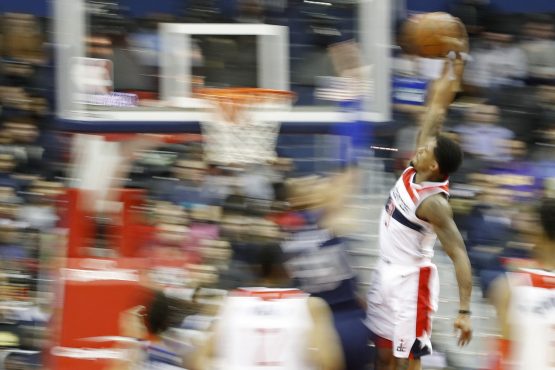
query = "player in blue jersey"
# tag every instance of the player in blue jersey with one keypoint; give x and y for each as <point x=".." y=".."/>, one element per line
<point x="318" y="263"/>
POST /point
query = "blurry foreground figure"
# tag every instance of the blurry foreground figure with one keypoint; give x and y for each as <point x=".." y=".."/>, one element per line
<point x="525" y="302"/>
<point x="278" y="327"/>
<point x="318" y="262"/>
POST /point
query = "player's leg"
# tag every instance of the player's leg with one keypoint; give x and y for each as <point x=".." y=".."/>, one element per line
<point x="384" y="359"/>
<point x="416" y="296"/>
<point x="380" y="317"/>
<point x="407" y="364"/>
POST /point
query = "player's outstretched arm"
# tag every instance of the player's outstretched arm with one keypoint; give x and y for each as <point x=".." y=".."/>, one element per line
<point x="325" y="347"/>
<point x="440" y="95"/>
<point x="438" y="212"/>
<point x="201" y="359"/>
<point x="500" y="297"/>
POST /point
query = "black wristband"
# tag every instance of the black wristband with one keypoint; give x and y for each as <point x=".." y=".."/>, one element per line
<point x="464" y="312"/>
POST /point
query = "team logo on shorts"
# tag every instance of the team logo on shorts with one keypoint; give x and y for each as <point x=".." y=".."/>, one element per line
<point x="401" y="347"/>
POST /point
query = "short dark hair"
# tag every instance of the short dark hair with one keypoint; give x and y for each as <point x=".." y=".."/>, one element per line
<point x="547" y="217"/>
<point x="158" y="314"/>
<point x="270" y="258"/>
<point x="448" y="155"/>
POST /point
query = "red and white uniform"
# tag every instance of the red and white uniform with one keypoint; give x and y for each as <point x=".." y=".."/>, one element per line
<point x="405" y="285"/>
<point x="532" y="317"/>
<point x="263" y="328"/>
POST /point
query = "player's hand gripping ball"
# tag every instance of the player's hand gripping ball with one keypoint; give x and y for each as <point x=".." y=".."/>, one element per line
<point x="433" y="35"/>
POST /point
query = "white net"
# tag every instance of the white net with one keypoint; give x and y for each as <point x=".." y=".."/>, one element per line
<point x="246" y="137"/>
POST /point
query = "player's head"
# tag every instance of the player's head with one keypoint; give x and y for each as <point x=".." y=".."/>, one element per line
<point x="547" y="219"/>
<point x="439" y="158"/>
<point x="269" y="266"/>
<point x="158" y="314"/>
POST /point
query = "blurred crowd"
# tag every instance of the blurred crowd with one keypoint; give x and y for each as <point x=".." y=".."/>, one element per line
<point x="217" y="218"/>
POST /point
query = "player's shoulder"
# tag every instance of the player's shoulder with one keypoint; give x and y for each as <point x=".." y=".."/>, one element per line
<point x="435" y="207"/>
<point x="409" y="170"/>
<point x="534" y="276"/>
<point x="318" y="307"/>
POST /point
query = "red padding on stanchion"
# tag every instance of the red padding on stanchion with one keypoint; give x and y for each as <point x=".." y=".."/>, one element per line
<point x="128" y="234"/>
<point x="134" y="231"/>
<point x="95" y="294"/>
<point x="78" y="222"/>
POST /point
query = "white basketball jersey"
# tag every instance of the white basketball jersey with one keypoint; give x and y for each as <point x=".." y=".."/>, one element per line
<point x="404" y="238"/>
<point x="532" y="314"/>
<point x="262" y="329"/>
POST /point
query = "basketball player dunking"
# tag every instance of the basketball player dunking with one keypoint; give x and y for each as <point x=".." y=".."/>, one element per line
<point x="525" y="302"/>
<point x="404" y="292"/>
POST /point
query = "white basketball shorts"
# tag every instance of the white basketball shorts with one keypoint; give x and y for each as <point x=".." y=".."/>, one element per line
<point x="401" y="302"/>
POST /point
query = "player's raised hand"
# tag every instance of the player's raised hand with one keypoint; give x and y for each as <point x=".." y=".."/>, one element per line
<point x="463" y="327"/>
<point x="458" y="45"/>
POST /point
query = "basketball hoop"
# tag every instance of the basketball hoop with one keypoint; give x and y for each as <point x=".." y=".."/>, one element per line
<point x="235" y="134"/>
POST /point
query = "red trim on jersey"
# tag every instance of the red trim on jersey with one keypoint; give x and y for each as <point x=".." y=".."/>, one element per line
<point x="406" y="180"/>
<point x="381" y="342"/>
<point x="268" y="294"/>
<point x="501" y="355"/>
<point x="542" y="281"/>
<point x="423" y="302"/>
<point x="444" y="188"/>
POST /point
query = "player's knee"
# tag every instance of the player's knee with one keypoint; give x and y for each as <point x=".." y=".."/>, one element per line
<point x="384" y="359"/>
<point x="407" y="364"/>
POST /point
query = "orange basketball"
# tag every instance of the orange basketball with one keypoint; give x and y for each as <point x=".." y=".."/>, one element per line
<point x="433" y="35"/>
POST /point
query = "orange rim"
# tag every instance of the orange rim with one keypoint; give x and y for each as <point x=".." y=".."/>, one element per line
<point x="231" y="100"/>
<point x="244" y="94"/>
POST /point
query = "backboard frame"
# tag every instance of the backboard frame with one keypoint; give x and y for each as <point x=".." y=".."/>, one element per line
<point x="374" y="37"/>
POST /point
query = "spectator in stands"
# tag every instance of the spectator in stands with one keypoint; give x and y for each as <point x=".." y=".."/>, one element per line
<point x="250" y="11"/>
<point x="243" y="225"/>
<point x="539" y="45"/>
<point x="24" y="133"/>
<point x="7" y="165"/>
<point x="39" y="211"/>
<point x="257" y="182"/>
<point x="217" y="185"/>
<point x="542" y="133"/>
<point x="544" y="156"/>
<point x="482" y="136"/>
<point x="498" y="62"/>
<point x="472" y="13"/>
<point x="187" y="191"/>
<point x="23" y="38"/>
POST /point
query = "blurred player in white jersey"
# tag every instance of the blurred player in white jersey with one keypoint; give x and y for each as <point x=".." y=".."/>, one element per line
<point x="404" y="293"/>
<point x="270" y="327"/>
<point x="525" y="302"/>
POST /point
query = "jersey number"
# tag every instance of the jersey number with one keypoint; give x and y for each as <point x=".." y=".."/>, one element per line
<point x="271" y="347"/>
